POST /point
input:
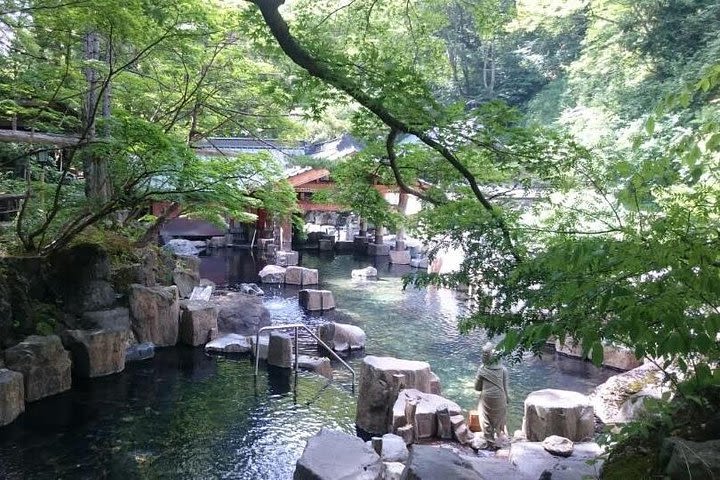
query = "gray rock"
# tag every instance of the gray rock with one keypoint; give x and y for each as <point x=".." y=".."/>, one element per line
<point x="96" y="353"/>
<point x="230" y="343"/>
<point x="319" y="365"/>
<point x="116" y="319"/>
<point x="180" y="246"/>
<point x="434" y="463"/>
<point x="444" y="427"/>
<point x="280" y="350"/>
<point x="560" y="446"/>
<point x="393" y="470"/>
<point x="687" y="460"/>
<point x="301" y="276"/>
<point x="393" y="448"/>
<point x="427" y="405"/>
<point x="139" y="352"/>
<point x="251" y="289"/>
<point x="155" y="313"/>
<point x="634" y="407"/>
<point x="331" y="455"/>
<point x="614" y="356"/>
<point x="316" y="300"/>
<point x="342" y="336"/>
<point x="272" y="274"/>
<point x="44" y="363"/>
<point x="435" y="386"/>
<point x="12" y="396"/>
<point x="197" y="319"/>
<point x="531" y="459"/>
<point x="287" y="259"/>
<point x="558" y="412"/>
<point x="364" y="273"/>
<point x="82" y="278"/>
<point x="608" y="398"/>
<point x="240" y="313"/>
<point x="378" y="389"/>
<point x="186" y="280"/>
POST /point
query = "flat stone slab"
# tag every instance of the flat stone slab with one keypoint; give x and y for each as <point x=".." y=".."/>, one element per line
<point x="531" y="459"/>
<point x="434" y="463"/>
<point x="230" y="343"/>
<point x="332" y="455"/>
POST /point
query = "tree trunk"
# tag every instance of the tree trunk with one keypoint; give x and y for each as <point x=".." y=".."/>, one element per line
<point x="97" y="184"/>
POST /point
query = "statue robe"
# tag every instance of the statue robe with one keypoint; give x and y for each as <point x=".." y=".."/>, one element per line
<point x="491" y="382"/>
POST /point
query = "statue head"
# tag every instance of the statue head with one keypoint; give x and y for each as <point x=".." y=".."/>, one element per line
<point x="488" y="354"/>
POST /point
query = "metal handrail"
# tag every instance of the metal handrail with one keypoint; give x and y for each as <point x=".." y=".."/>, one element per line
<point x="296" y="326"/>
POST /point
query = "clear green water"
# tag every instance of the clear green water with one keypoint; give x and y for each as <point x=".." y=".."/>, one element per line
<point x="187" y="415"/>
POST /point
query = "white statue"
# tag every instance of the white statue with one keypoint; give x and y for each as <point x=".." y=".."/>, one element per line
<point x="491" y="382"/>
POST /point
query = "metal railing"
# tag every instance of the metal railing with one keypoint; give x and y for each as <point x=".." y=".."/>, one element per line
<point x="297" y="326"/>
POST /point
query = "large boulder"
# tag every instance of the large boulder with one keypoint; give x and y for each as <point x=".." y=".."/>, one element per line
<point x="301" y="276"/>
<point x="558" y="412"/>
<point x="531" y="460"/>
<point x="82" y="279"/>
<point x="230" y="343"/>
<point x="342" y="336"/>
<point x="197" y="319"/>
<point x="155" y="312"/>
<point x="619" y="398"/>
<point x="393" y="448"/>
<point x="116" y="319"/>
<point x="364" y="273"/>
<point x="96" y="353"/>
<point x="12" y="396"/>
<point x="186" y="280"/>
<point x="272" y="274"/>
<point x="427" y="405"/>
<point x="240" y="313"/>
<point x="431" y="463"/>
<point x="44" y="363"/>
<point x="332" y="455"/>
<point x="688" y="460"/>
<point x="316" y="300"/>
<point x="381" y="380"/>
